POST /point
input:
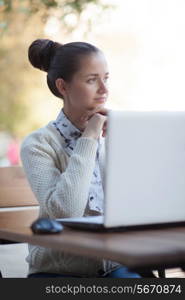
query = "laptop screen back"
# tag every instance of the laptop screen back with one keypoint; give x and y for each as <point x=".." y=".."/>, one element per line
<point x="145" y="168"/>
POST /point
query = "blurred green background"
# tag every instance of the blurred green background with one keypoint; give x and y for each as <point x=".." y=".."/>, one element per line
<point x="26" y="102"/>
<point x="143" y="42"/>
<point x="21" y="22"/>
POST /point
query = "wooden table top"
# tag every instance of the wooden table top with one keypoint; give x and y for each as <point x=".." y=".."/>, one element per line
<point x="150" y="248"/>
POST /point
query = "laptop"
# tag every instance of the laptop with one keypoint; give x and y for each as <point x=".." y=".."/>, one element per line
<point x="145" y="172"/>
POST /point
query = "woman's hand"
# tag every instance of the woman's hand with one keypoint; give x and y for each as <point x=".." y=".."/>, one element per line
<point x="95" y="126"/>
<point x="104" y="112"/>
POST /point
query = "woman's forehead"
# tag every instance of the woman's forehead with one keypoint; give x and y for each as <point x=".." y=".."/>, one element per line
<point x="93" y="64"/>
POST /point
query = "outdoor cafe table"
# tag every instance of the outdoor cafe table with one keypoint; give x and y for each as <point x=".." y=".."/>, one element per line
<point x="141" y="249"/>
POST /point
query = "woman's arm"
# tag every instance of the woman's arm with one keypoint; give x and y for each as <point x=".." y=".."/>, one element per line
<point x="60" y="193"/>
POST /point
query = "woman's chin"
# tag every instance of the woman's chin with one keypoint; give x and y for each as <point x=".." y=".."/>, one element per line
<point x="100" y="105"/>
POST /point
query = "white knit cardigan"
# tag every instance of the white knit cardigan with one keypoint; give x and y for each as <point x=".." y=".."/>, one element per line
<point x="61" y="185"/>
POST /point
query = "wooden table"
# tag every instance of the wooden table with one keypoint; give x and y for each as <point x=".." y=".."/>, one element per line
<point x="149" y="249"/>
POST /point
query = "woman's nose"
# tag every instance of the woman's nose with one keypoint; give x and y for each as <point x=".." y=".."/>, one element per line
<point x="102" y="87"/>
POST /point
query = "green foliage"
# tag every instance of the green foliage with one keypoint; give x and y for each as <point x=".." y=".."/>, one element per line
<point x="32" y="6"/>
<point x="26" y="9"/>
<point x="13" y="107"/>
<point x="21" y="21"/>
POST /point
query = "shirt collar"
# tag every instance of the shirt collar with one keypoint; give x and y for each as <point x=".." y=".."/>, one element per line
<point x="68" y="130"/>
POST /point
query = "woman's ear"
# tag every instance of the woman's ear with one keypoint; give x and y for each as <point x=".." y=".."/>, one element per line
<point x="61" y="86"/>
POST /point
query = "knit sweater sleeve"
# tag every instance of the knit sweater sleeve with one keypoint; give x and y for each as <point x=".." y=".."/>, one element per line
<point x="60" y="193"/>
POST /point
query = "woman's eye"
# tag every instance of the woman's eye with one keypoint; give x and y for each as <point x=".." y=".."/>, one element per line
<point x="91" y="80"/>
<point x="106" y="79"/>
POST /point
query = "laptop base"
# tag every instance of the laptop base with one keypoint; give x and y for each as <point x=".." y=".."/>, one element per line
<point x="90" y="224"/>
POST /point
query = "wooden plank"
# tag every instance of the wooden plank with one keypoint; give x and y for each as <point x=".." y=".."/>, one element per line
<point x="17" y="196"/>
<point x="13" y="219"/>
<point x="137" y="249"/>
<point x="14" y="188"/>
<point x="12" y="176"/>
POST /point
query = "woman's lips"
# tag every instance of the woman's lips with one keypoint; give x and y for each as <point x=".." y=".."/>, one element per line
<point x="100" y="99"/>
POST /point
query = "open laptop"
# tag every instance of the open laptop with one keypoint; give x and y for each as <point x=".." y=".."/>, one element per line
<point x="145" y="171"/>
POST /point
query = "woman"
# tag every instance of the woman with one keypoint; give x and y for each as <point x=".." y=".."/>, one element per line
<point x="64" y="160"/>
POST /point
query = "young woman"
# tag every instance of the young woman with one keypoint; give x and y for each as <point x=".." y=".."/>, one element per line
<point x="64" y="161"/>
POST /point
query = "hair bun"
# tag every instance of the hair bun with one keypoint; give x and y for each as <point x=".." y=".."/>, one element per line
<point x="41" y="52"/>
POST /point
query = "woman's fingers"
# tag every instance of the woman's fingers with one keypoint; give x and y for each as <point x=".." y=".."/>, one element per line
<point x="96" y="121"/>
<point x="94" y="126"/>
<point x="88" y="116"/>
<point x="103" y="111"/>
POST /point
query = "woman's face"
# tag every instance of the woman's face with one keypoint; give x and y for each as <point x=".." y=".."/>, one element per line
<point x="88" y="91"/>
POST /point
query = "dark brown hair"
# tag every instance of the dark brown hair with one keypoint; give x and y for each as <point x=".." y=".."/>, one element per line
<point x="59" y="61"/>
